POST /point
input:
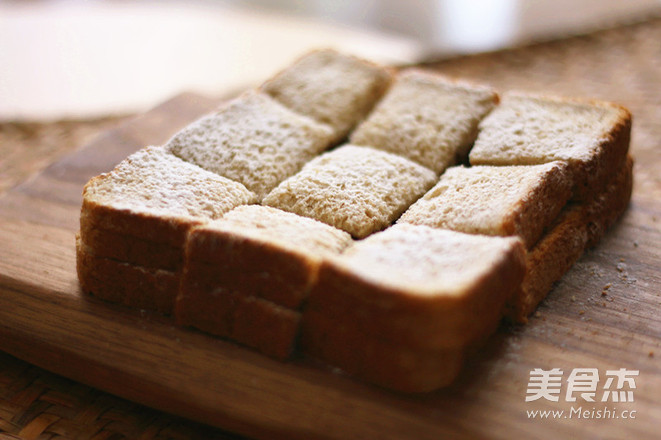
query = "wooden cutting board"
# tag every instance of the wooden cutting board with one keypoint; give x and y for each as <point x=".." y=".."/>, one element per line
<point x="45" y="320"/>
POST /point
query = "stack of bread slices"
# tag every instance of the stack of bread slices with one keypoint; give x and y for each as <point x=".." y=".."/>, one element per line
<point x="383" y="223"/>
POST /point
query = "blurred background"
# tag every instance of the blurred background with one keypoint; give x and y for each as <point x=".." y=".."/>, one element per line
<point x="85" y="59"/>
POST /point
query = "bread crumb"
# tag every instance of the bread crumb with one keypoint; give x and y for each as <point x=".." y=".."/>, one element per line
<point x="573" y="298"/>
<point x="604" y="293"/>
<point x="608" y="286"/>
<point x="621" y="259"/>
<point x="650" y="354"/>
<point x="581" y="312"/>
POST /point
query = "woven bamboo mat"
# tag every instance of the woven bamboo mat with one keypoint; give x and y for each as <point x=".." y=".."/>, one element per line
<point x="621" y="64"/>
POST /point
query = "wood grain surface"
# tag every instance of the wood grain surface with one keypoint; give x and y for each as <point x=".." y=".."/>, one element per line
<point x="45" y="320"/>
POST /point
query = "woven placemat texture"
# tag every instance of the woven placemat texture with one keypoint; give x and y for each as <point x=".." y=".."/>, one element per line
<point x="36" y="404"/>
<point x="621" y="65"/>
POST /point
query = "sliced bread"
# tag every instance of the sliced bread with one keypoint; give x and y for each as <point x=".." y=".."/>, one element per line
<point x="253" y="140"/>
<point x="426" y="118"/>
<point x="489" y="200"/>
<point x="157" y="196"/>
<point x="579" y="226"/>
<point x="330" y="87"/>
<point x="130" y="249"/>
<point x="591" y="136"/>
<point x="395" y="366"/>
<point x="124" y="283"/>
<point x="260" y="251"/>
<point x="428" y="288"/>
<point x="357" y="189"/>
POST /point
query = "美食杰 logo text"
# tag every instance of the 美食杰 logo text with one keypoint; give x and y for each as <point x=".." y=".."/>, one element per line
<point x="593" y="394"/>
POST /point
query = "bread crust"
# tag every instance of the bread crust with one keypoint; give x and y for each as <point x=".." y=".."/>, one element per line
<point x="260" y="324"/>
<point x="129" y="248"/>
<point x="123" y="283"/>
<point x="406" y="317"/>
<point x="579" y="226"/>
<point x="368" y="357"/>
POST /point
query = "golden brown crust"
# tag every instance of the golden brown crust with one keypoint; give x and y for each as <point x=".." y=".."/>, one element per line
<point x="250" y="267"/>
<point x="593" y="176"/>
<point x="151" y="227"/>
<point x="417" y="320"/>
<point x="127" y="284"/>
<point x="205" y="304"/>
<point x="131" y="249"/>
<point x="579" y="226"/>
<point x="395" y="366"/>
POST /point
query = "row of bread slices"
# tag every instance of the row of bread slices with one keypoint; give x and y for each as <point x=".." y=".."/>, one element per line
<point x="168" y="228"/>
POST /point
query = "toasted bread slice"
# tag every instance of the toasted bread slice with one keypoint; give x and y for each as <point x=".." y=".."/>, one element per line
<point x="130" y="249"/>
<point x="489" y="200"/>
<point x="357" y="189"/>
<point x="158" y="197"/>
<point x="368" y="357"/>
<point x="591" y="136"/>
<point x="427" y="118"/>
<point x="247" y="273"/>
<point x="260" y="251"/>
<point x="253" y="140"/>
<point x="579" y="226"/>
<point x="213" y="308"/>
<point x="427" y="288"/>
<point x="124" y="283"/>
<point x="330" y="87"/>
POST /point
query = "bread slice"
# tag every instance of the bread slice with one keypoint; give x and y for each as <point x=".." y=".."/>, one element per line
<point x="357" y="189"/>
<point x="368" y="357"/>
<point x="253" y="140"/>
<point x="579" y="226"/>
<point x="260" y="251"/>
<point x="255" y="322"/>
<point x="330" y="87"/>
<point x="591" y="136"/>
<point x="604" y="210"/>
<point x="156" y="196"/>
<point x="427" y="118"/>
<point x="130" y="249"/>
<point x="246" y="275"/>
<point x="123" y="283"/>
<point x="507" y="200"/>
<point x="427" y="288"/>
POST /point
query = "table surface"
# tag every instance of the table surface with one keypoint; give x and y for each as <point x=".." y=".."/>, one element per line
<point x="622" y="65"/>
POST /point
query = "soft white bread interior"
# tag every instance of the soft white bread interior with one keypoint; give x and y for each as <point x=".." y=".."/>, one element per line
<point x="427" y="118"/>
<point x="357" y="189"/>
<point x="333" y="88"/>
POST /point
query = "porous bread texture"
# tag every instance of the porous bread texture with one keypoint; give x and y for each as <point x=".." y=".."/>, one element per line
<point x="357" y="189"/>
<point x="261" y="251"/>
<point x="430" y="288"/>
<point x="156" y="196"/>
<point x="395" y="366"/>
<point x="426" y="118"/>
<point x="330" y="87"/>
<point x="124" y="283"/>
<point x="579" y="226"/>
<point x="253" y="140"/>
<point x="489" y="200"/>
<point x="591" y="136"/>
